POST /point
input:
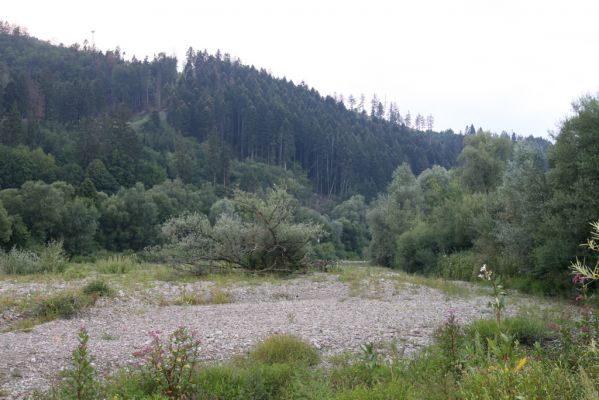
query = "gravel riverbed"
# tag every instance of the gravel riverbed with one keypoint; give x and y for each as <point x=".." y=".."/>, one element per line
<point x="330" y="314"/>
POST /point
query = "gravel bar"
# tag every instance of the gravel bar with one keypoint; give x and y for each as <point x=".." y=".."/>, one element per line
<point x="325" y="312"/>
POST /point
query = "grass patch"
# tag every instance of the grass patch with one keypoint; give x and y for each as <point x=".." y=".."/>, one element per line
<point x="527" y="330"/>
<point x="98" y="288"/>
<point x="41" y="309"/>
<point x="127" y="272"/>
<point x="189" y="299"/>
<point x="38" y="309"/>
<point x="285" y="349"/>
<point x="61" y="305"/>
<point x="25" y="325"/>
<point x="117" y="264"/>
<point x="226" y="382"/>
<point x="216" y="296"/>
<point x="235" y="277"/>
<point x="359" y="277"/>
<point x="107" y="336"/>
<point x="449" y="288"/>
<point x="10" y="302"/>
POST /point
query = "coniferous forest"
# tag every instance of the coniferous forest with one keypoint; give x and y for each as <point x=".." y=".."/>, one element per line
<point x="98" y="152"/>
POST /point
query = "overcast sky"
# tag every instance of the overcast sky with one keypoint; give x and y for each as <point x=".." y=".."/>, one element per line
<point x="513" y="65"/>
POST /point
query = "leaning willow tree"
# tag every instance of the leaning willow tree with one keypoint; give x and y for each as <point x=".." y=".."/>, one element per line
<point x="261" y="234"/>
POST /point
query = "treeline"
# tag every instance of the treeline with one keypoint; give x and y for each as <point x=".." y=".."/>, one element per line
<point x="57" y="98"/>
<point x="86" y="221"/>
<point x="507" y="205"/>
<point x="38" y="213"/>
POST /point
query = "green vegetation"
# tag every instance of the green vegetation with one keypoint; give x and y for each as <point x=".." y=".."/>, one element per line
<point x="359" y="276"/>
<point x="50" y="259"/>
<point x="479" y="361"/>
<point x="284" y="349"/>
<point x="216" y="296"/>
<point x="98" y="152"/>
<point x="102" y="160"/>
<point x="509" y="204"/>
<point x="60" y="305"/>
<point x="39" y="308"/>
<point x="258" y="235"/>
<point x="80" y="381"/>
<point x="98" y="288"/>
<point x="525" y="330"/>
<point x="116" y="264"/>
<point x="222" y="171"/>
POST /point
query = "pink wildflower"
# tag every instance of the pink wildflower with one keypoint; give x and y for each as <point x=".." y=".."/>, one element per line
<point x="579" y="279"/>
<point x="155" y="335"/>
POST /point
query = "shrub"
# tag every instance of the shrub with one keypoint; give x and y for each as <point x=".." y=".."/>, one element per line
<point x="461" y="265"/>
<point x="325" y="251"/>
<point x="98" y="288"/>
<point x="416" y="249"/>
<point x="53" y="257"/>
<point x="171" y="363"/>
<point x="285" y="349"/>
<point x="18" y="261"/>
<point x="261" y="237"/>
<point x="61" y="305"/>
<point x="526" y="284"/>
<point x="450" y="337"/>
<point x="80" y="380"/>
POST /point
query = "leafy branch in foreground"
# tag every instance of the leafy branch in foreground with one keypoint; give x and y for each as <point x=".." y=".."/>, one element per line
<point x="583" y="273"/>
<point x="260" y="236"/>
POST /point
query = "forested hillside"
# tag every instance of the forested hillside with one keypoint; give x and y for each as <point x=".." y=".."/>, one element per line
<point x="99" y="152"/>
<point x="55" y="98"/>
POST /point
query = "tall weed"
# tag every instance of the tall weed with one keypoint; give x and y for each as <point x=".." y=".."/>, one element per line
<point x="53" y="258"/>
<point x="117" y="264"/>
<point x="19" y="262"/>
<point x="50" y="259"/>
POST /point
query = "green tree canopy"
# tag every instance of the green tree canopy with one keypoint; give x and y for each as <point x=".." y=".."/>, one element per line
<point x="261" y="236"/>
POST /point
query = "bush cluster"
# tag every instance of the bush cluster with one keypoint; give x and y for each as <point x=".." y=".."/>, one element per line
<point x="50" y="259"/>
